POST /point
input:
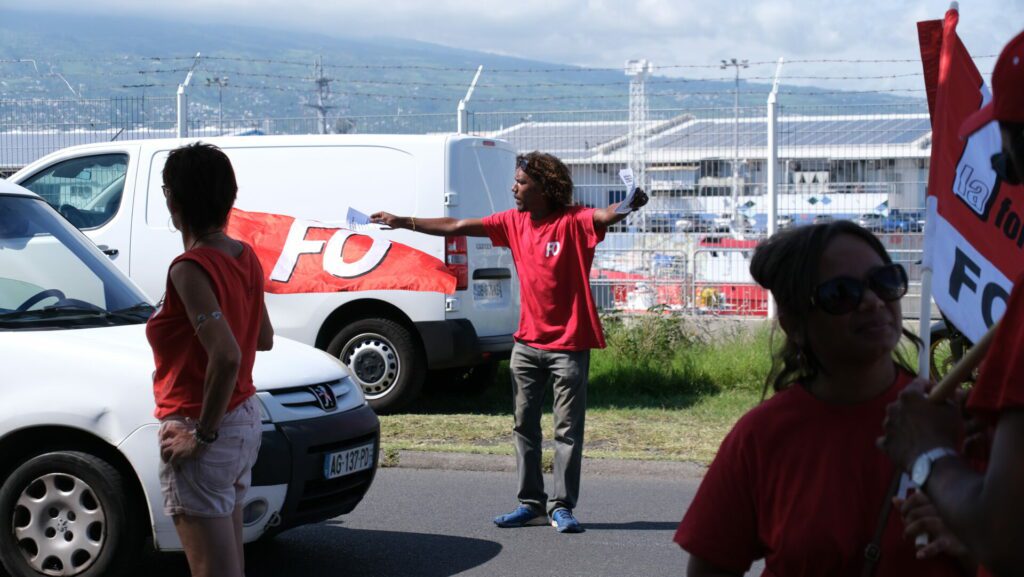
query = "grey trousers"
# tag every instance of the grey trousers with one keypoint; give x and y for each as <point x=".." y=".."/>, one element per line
<point x="531" y="371"/>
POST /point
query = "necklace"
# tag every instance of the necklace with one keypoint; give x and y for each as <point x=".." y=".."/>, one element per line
<point x="206" y="234"/>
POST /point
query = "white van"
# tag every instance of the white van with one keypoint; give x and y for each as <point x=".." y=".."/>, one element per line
<point x="388" y="339"/>
<point x="79" y="454"/>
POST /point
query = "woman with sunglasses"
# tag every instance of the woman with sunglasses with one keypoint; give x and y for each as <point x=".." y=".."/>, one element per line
<point x="799" y="481"/>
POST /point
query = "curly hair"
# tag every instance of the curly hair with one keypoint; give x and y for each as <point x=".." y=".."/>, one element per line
<point x="787" y="265"/>
<point x="200" y="179"/>
<point x="551" y="174"/>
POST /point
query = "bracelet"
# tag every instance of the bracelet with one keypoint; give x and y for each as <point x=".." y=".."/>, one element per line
<point x="201" y="318"/>
<point x="413" y="219"/>
<point x="203" y="439"/>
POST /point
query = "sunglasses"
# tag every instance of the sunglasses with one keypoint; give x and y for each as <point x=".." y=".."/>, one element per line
<point x="844" y="294"/>
<point x="522" y="163"/>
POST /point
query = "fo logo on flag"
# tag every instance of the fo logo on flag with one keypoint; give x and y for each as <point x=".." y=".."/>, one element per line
<point x="305" y="256"/>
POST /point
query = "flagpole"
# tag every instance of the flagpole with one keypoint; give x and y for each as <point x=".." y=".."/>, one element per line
<point x="924" y="331"/>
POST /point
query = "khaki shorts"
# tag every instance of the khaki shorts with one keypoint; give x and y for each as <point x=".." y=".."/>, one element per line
<point x="214" y="483"/>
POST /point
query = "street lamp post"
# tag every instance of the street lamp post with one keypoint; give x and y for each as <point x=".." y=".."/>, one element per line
<point x="220" y="82"/>
<point x="737" y="64"/>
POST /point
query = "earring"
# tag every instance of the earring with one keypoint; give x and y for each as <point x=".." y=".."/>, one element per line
<point x="170" y="224"/>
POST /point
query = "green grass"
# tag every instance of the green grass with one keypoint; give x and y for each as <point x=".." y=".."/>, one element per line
<point x="656" y="392"/>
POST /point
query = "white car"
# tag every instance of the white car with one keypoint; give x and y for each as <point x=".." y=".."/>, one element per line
<point x="78" y="441"/>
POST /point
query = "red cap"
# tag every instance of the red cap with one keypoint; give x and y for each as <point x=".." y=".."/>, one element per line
<point x="1007" y="102"/>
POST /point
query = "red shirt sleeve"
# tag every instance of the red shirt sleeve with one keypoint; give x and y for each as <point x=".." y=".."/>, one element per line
<point x="1000" y="385"/>
<point x="496" y="226"/>
<point x="585" y="223"/>
<point x="720" y="526"/>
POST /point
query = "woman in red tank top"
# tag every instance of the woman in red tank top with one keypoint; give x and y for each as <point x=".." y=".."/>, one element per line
<point x="204" y="336"/>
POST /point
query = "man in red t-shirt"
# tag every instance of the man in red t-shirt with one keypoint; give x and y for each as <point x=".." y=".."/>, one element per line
<point x="552" y="244"/>
<point x="986" y="510"/>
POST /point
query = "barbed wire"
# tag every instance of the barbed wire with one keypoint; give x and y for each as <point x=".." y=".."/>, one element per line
<point x="432" y="67"/>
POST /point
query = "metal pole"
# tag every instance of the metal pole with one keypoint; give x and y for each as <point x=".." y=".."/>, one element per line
<point x="182" y="101"/>
<point x="736" y="141"/>
<point x="463" y="111"/>
<point x="772" y="167"/>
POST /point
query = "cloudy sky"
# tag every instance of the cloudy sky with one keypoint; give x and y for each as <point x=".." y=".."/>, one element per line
<point x="604" y="33"/>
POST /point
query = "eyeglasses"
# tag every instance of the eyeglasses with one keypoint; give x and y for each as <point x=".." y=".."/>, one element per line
<point x="844" y="294"/>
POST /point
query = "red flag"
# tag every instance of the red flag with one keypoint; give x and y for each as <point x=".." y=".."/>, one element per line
<point x="974" y="238"/>
<point x="303" y="256"/>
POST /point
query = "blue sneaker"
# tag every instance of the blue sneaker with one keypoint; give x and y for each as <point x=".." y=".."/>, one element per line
<point x="521" y="517"/>
<point x="563" y="520"/>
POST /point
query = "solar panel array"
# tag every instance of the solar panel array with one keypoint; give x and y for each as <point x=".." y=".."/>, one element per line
<point x="577" y="140"/>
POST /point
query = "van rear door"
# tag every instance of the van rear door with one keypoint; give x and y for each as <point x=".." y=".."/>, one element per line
<point x="479" y="183"/>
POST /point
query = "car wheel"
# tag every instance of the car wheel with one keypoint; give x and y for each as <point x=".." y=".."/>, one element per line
<point x="468" y="380"/>
<point x="66" y="513"/>
<point x="383" y="358"/>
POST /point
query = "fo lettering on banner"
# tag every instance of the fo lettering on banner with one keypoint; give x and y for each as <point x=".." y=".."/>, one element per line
<point x="305" y="256"/>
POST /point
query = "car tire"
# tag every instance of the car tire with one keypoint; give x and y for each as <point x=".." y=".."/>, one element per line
<point x="467" y="380"/>
<point x="382" y="356"/>
<point x="77" y="499"/>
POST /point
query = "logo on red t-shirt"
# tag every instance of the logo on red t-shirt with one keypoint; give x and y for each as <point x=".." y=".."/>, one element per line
<point x="553" y="249"/>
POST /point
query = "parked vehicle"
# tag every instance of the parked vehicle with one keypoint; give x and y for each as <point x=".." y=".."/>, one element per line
<point x="79" y="453"/>
<point x="872" y="221"/>
<point x="388" y="339"/>
<point x="822" y="219"/>
<point x="900" y="221"/>
<point x="726" y="223"/>
<point x="692" y="223"/>
<point x="783" y="221"/>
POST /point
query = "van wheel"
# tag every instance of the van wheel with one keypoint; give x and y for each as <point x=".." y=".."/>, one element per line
<point x="383" y="358"/>
<point x="66" y="513"/>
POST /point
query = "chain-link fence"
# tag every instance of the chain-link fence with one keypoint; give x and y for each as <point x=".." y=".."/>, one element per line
<point x="706" y="170"/>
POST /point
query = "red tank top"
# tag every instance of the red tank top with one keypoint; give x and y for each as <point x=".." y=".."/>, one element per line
<point x="180" y="357"/>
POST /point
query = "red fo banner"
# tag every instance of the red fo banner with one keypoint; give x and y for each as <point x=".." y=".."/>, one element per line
<point x="305" y="256"/>
<point x="974" y="237"/>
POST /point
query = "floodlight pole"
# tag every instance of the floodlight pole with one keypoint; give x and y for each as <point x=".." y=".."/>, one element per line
<point x="736" y="140"/>
<point x="463" y="112"/>
<point x="773" y="161"/>
<point x="182" y="101"/>
<point x="220" y="82"/>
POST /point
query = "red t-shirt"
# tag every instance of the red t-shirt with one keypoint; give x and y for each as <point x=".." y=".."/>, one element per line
<point x="180" y="357"/>
<point x="800" y="483"/>
<point x="553" y="257"/>
<point x="999" y="386"/>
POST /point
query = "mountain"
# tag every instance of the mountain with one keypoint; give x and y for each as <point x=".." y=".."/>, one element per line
<point x="259" y="73"/>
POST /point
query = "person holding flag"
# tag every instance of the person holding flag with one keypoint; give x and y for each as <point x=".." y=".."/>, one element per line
<point x="552" y="243"/>
<point x="985" y="510"/>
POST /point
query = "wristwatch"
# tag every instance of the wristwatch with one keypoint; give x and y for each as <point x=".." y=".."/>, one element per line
<point x="922" y="468"/>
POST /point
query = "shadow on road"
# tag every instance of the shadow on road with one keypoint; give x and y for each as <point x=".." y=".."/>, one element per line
<point x="634" y="526"/>
<point x="329" y="549"/>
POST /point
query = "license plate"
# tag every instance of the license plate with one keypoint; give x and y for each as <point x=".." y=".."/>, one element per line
<point x="348" y="461"/>
<point x="487" y="290"/>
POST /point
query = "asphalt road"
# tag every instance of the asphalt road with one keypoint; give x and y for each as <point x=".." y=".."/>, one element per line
<point x="436" y="523"/>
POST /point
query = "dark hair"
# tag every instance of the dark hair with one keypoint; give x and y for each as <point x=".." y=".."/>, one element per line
<point x="551" y="174"/>
<point x="787" y="265"/>
<point x="202" y="183"/>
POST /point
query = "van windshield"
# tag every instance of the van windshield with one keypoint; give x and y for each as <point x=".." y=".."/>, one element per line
<point x="51" y="276"/>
